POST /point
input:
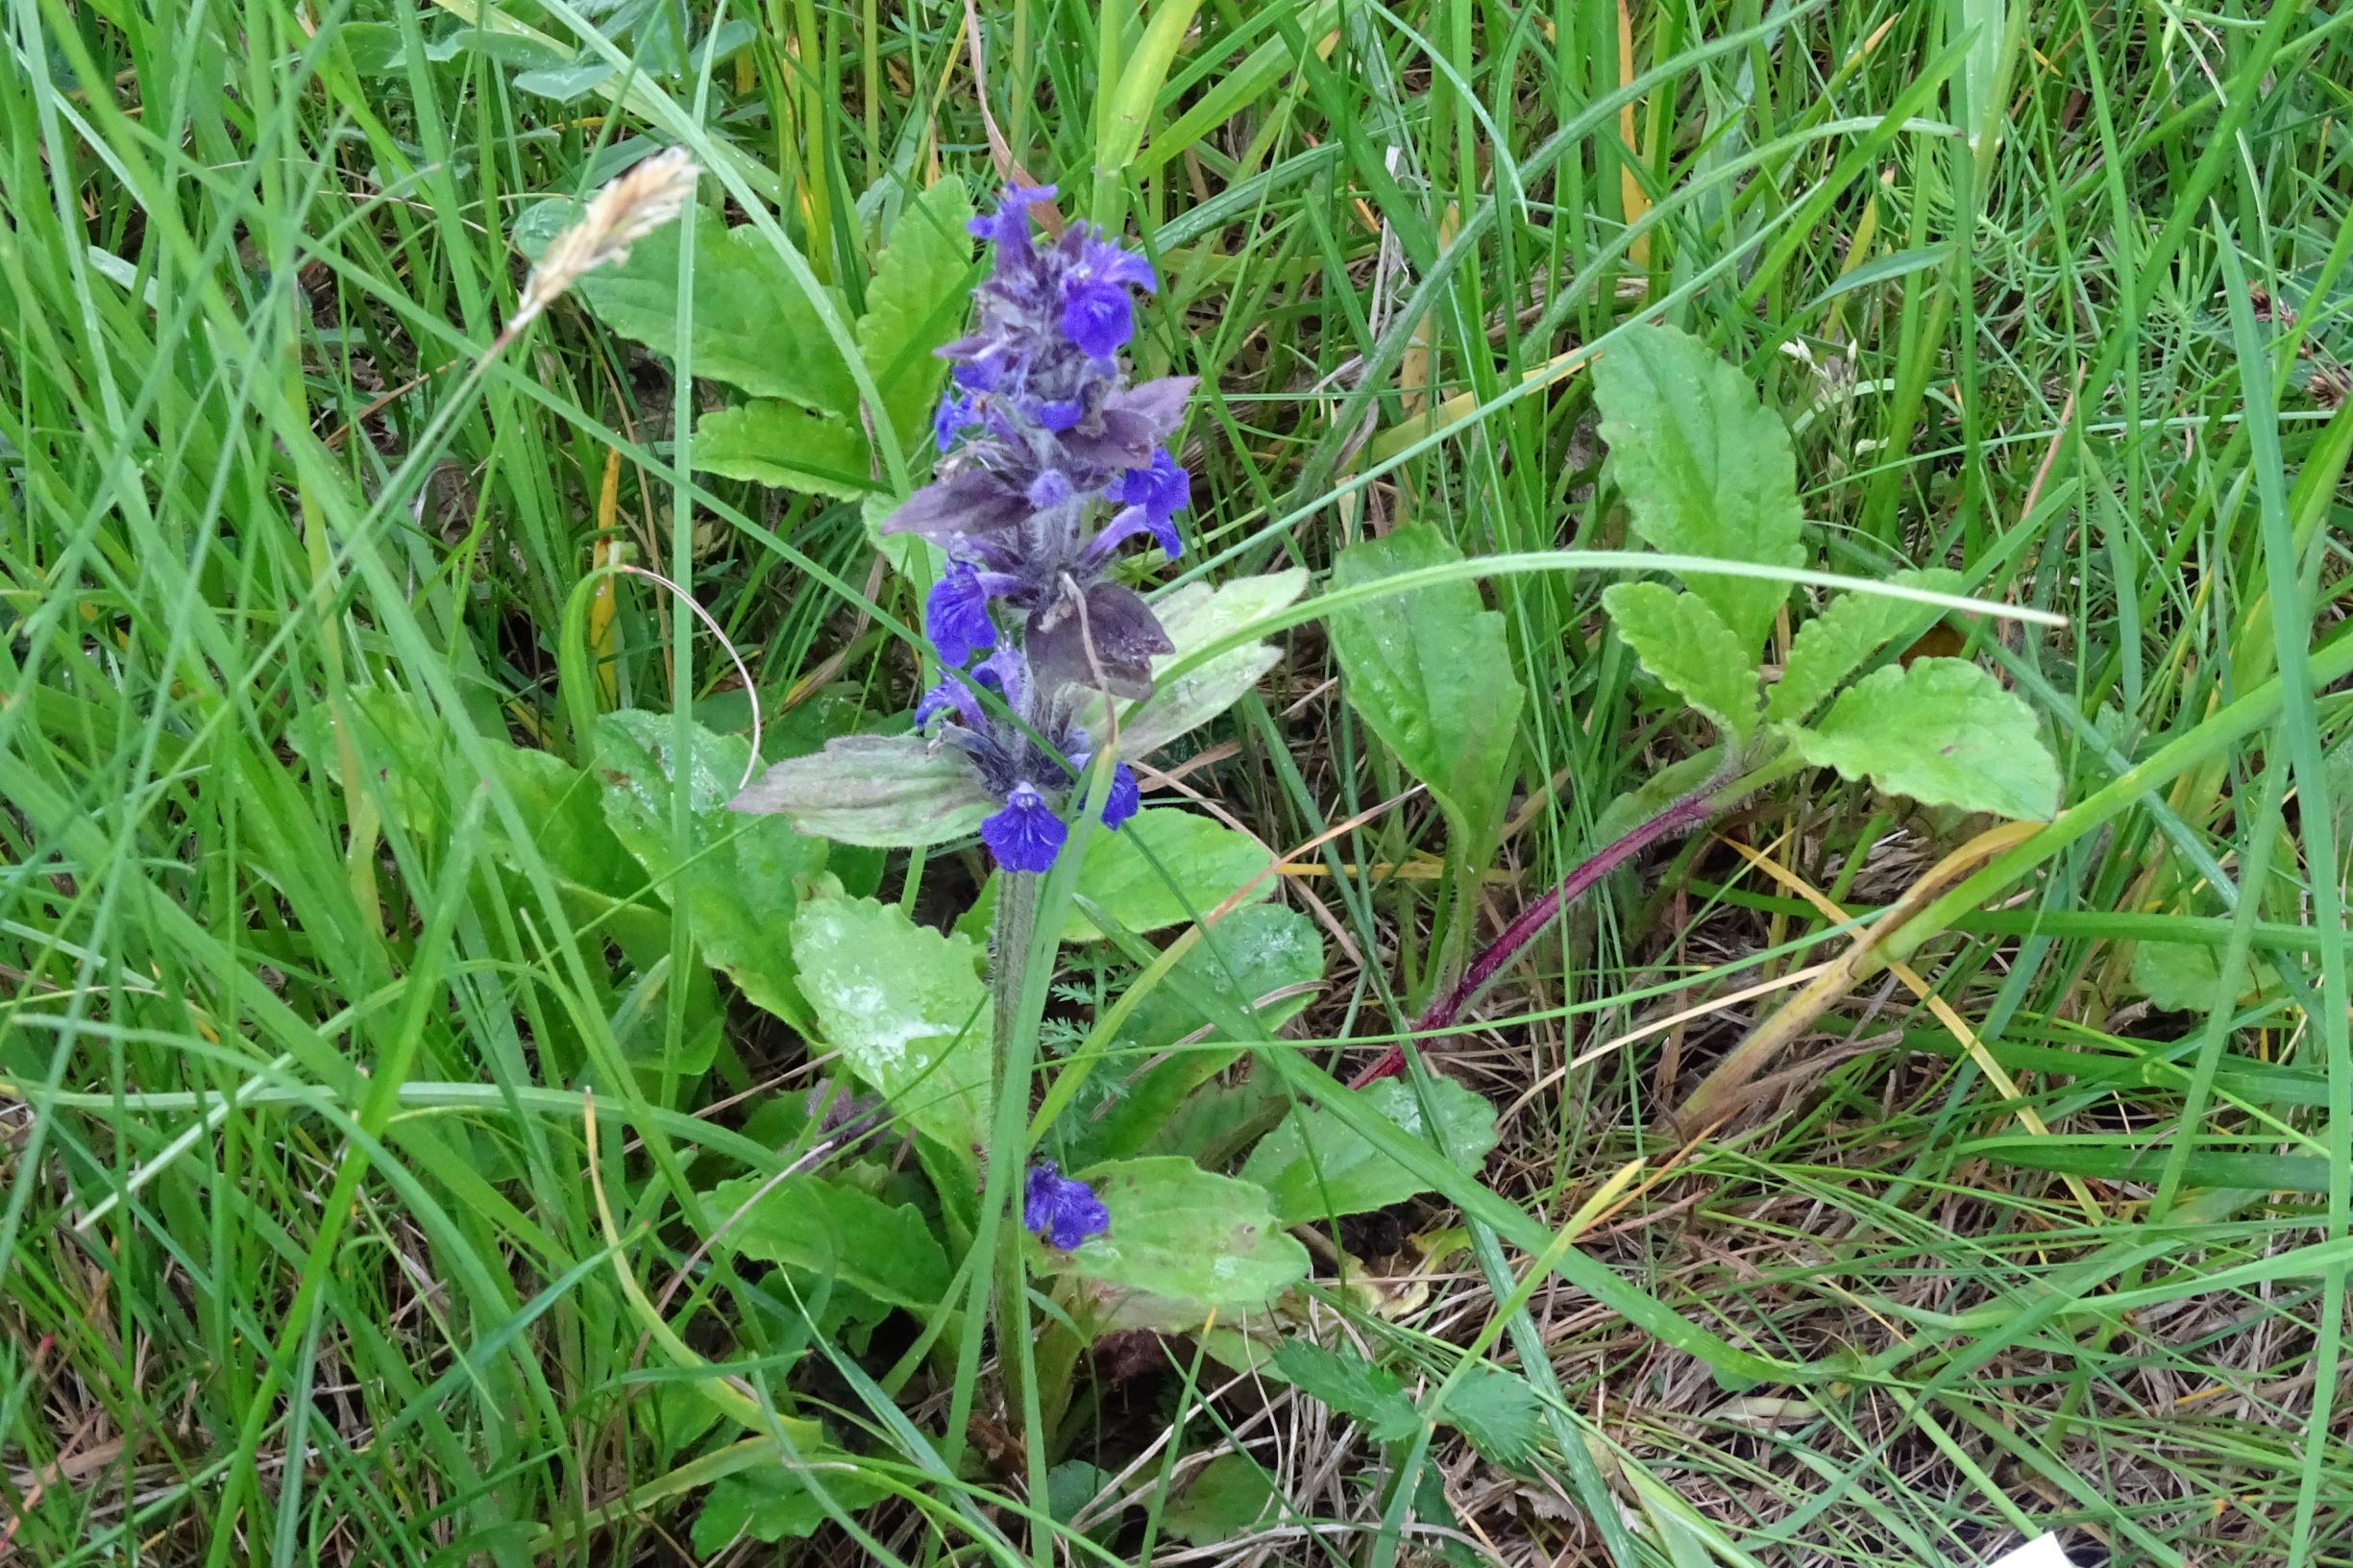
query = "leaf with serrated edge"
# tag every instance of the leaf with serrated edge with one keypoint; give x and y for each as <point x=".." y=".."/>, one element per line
<point x="1429" y="671"/>
<point x="1687" y="645"/>
<point x="1941" y="731"/>
<point x="1497" y="1411"/>
<point x="752" y="325"/>
<point x="916" y="302"/>
<point x="1706" y="468"/>
<point x="770" y="441"/>
<point x="881" y="790"/>
<point x="1347" y="1384"/>
<point x="1316" y="1168"/>
<point x="1849" y="629"/>
<point x="741" y="879"/>
<point x="905" y="1007"/>
<point x="1180" y="1243"/>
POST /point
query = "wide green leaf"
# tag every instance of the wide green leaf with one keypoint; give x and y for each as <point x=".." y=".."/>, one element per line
<point x="1182" y="1242"/>
<point x="751" y="327"/>
<point x="1163" y="867"/>
<point x="771" y="442"/>
<point x="1849" y="629"/>
<point x="1316" y="1168"/>
<point x="770" y="1502"/>
<point x="1685" y="643"/>
<point x="1498" y="1411"/>
<point x="1225" y="1498"/>
<point x="880" y="790"/>
<point x="905" y="1007"/>
<point x="807" y="1222"/>
<point x="1256" y="951"/>
<point x="739" y="878"/>
<point x="916" y="302"/>
<point x="1941" y="731"/>
<point x="1704" y="468"/>
<point x="1430" y="673"/>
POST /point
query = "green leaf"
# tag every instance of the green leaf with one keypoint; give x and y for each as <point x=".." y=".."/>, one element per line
<point x="808" y="1222"/>
<point x="1195" y="616"/>
<point x="1163" y="867"/>
<point x="1941" y="731"/>
<point x="773" y="1503"/>
<point x="741" y="877"/>
<point x="1849" y="629"/>
<point x="1258" y="950"/>
<point x="752" y="325"/>
<point x="1430" y="673"/>
<point x="2183" y="977"/>
<point x="1180" y="1243"/>
<point x="916" y="302"/>
<point x="905" y="1007"/>
<point x="1706" y="468"/>
<point x="1230" y="1494"/>
<point x="1687" y="645"/>
<point x="881" y="790"/>
<point x="1316" y="1168"/>
<point x="1498" y="1413"/>
<point x="1348" y="1385"/>
<point x="771" y="442"/>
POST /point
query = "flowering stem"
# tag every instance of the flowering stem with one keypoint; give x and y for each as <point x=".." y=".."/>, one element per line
<point x="1009" y="947"/>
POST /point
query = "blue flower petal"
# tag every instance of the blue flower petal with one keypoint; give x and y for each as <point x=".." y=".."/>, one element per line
<point x="1061" y="1210"/>
<point x="956" y="615"/>
<point x="1027" y="835"/>
<point x="1125" y="799"/>
<point x="1097" y="316"/>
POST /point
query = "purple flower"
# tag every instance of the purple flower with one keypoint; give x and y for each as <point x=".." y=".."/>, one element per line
<point x="954" y="416"/>
<point x="1061" y="1211"/>
<point x="956" y="615"/>
<point x="952" y="695"/>
<point x="1125" y="799"/>
<point x="1027" y="835"/>
<point x="1097" y="316"/>
<point x="1149" y="498"/>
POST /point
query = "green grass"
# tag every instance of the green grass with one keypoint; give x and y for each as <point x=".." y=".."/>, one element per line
<point x="304" y="1255"/>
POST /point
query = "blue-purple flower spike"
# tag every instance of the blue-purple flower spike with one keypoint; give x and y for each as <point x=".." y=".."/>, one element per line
<point x="1060" y="1210"/>
<point x="1050" y="461"/>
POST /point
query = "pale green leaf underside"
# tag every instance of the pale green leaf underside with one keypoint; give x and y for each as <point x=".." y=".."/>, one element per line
<point x="883" y="791"/>
<point x="1182" y="1241"/>
<point x="1706" y="468"/>
<point x="1941" y="731"/>
<point x="1687" y="645"/>
<point x="1195" y="616"/>
<point x="905" y="1007"/>
<point x="1849" y="629"/>
<point x="1430" y="673"/>
<point x="1316" y="1168"/>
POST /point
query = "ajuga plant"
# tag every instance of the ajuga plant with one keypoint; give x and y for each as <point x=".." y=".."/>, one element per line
<point x="1704" y="471"/>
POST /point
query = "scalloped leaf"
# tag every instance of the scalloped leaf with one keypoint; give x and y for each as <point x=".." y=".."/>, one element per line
<point x="1182" y="1242"/>
<point x="1316" y="1168"/>
<point x="771" y="442"/>
<point x="1686" y="645"/>
<point x="1941" y="731"/>
<point x="1849" y="629"/>
<point x="1706" y="468"/>
<point x="916" y="302"/>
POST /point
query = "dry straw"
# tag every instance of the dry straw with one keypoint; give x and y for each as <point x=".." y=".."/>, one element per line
<point x="630" y="207"/>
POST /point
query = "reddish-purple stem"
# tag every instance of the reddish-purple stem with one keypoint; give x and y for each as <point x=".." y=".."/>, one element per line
<point x="1688" y="811"/>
